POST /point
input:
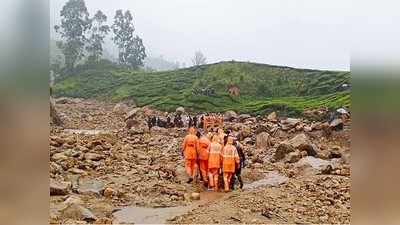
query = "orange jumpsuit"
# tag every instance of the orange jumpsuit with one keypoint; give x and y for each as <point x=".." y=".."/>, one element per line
<point x="230" y="158"/>
<point x="214" y="164"/>
<point x="203" y="151"/>
<point x="189" y="147"/>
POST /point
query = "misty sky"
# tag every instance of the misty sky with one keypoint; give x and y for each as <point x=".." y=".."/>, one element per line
<point x="298" y="33"/>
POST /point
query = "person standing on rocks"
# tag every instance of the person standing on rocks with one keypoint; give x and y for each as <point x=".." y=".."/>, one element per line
<point x="241" y="165"/>
<point x="214" y="163"/>
<point x="189" y="148"/>
<point x="203" y="152"/>
<point x="230" y="161"/>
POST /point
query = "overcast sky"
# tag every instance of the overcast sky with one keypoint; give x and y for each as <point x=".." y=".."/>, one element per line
<point x="298" y="33"/>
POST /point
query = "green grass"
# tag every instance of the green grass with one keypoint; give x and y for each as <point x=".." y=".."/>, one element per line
<point x="264" y="88"/>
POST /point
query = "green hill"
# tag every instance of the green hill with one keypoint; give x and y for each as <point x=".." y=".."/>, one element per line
<point x="263" y="87"/>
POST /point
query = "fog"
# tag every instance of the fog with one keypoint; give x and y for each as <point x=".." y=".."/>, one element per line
<point x="304" y="34"/>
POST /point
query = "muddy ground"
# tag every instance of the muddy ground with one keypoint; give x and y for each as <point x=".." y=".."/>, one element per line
<point x="297" y="170"/>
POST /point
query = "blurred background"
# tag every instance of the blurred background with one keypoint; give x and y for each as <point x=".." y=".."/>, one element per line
<point x="24" y="110"/>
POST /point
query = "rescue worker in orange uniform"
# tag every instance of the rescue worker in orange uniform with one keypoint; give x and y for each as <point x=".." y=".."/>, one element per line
<point x="203" y="152"/>
<point x="189" y="147"/>
<point x="214" y="162"/>
<point x="230" y="161"/>
<point x="221" y="135"/>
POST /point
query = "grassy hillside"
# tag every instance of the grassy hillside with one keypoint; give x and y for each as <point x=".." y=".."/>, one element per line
<point x="264" y="88"/>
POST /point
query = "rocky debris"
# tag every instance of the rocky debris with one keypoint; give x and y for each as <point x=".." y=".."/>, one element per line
<point x="78" y="212"/>
<point x="132" y="113"/>
<point x="230" y="115"/>
<point x="263" y="141"/>
<point x="142" y="168"/>
<point x="120" y="109"/>
<point x="272" y="117"/>
<point x="59" y="187"/>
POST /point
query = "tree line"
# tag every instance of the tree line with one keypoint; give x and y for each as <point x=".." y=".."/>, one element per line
<point x="82" y="36"/>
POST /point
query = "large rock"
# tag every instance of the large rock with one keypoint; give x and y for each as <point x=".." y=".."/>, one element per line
<point x="336" y="124"/>
<point x="120" y="108"/>
<point x="89" y="186"/>
<point x="298" y="140"/>
<point x="263" y="140"/>
<point x="180" y="110"/>
<point x="59" y="187"/>
<point x="282" y="150"/>
<point x="78" y="212"/>
<point x="230" y="115"/>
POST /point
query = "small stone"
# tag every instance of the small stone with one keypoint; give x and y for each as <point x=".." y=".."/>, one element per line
<point x="109" y="192"/>
<point x="195" y="196"/>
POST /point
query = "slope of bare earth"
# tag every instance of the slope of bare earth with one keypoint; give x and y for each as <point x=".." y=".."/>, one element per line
<point x="297" y="171"/>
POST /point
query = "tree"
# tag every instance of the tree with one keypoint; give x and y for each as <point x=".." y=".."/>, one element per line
<point x="199" y="59"/>
<point x="74" y="23"/>
<point x="98" y="32"/>
<point x="131" y="49"/>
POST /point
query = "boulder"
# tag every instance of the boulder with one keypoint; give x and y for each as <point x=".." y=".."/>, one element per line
<point x="78" y="212"/>
<point x="298" y="140"/>
<point x="282" y="150"/>
<point x="120" y="108"/>
<point x="273" y="117"/>
<point x="89" y="186"/>
<point x="93" y="156"/>
<point x="230" y="115"/>
<point x="262" y="140"/>
<point x="336" y="124"/>
<point x="180" y="110"/>
<point x="59" y="187"/>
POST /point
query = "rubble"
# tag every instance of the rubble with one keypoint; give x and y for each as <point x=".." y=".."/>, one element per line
<point x="93" y="173"/>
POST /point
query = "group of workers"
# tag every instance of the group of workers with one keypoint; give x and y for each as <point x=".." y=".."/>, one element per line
<point x="217" y="155"/>
<point x="179" y="120"/>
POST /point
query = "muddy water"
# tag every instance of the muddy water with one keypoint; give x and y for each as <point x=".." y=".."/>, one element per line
<point x="141" y="215"/>
<point x="87" y="132"/>
<point x="272" y="179"/>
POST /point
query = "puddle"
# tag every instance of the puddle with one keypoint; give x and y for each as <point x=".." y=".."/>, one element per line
<point x="272" y="179"/>
<point x="87" y="132"/>
<point x="142" y="215"/>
